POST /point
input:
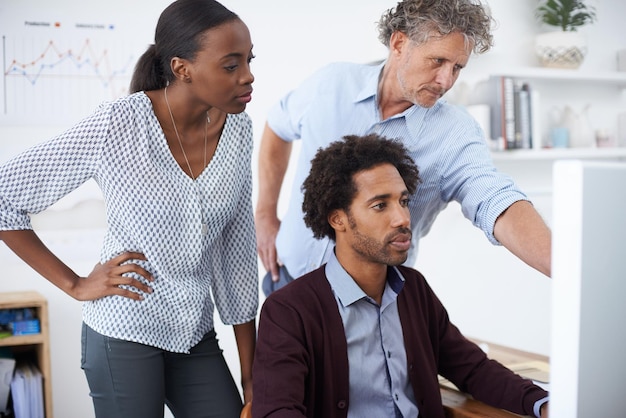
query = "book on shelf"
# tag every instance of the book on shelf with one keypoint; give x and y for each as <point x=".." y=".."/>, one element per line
<point x="523" y="138"/>
<point x="513" y="120"/>
<point x="536" y="141"/>
<point x="508" y="110"/>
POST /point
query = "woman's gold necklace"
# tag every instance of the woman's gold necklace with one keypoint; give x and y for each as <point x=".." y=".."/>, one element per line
<point x="180" y="142"/>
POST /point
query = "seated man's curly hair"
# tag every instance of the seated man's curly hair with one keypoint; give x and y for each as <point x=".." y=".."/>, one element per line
<point x="330" y="184"/>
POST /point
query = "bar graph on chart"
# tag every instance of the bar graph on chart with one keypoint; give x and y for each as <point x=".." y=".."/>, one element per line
<point x="58" y="71"/>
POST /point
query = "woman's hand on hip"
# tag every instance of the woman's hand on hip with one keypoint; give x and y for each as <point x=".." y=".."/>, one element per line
<point x="111" y="278"/>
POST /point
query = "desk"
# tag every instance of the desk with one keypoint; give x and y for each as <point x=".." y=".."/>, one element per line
<point x="460" y="405"/>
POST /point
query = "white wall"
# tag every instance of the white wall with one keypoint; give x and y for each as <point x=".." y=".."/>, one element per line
<point x="489" y="293"/>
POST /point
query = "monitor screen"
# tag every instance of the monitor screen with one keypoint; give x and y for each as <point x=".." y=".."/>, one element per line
<point x="588" y="343"/>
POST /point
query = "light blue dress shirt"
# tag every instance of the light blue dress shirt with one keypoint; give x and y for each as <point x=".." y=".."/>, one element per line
<point x="446" y="143"/>
<point x="379" y="383"/>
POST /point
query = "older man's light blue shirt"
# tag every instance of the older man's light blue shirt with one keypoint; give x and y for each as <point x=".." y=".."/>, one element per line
<point x="445" y="141"/>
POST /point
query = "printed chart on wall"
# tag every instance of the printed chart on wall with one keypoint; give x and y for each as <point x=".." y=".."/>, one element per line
<point x="58" y="67"/>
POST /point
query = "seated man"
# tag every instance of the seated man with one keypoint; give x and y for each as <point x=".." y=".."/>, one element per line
<point x="363" y="336"/>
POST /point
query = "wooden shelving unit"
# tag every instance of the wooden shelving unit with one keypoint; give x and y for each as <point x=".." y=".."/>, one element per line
<point x="36" y="344"/>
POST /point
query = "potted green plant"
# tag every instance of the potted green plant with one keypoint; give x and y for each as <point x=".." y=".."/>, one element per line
<point x="564" y="47"/>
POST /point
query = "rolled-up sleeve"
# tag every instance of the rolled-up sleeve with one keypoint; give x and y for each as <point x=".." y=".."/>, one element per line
<point x="470" y="178"/>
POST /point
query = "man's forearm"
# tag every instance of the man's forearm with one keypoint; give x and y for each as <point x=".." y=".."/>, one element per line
<point x="524" y="233"/>
<point x="274" y="154"/>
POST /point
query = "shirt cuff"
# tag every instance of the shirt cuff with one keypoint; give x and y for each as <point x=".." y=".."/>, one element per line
<point x="538" y="405"/>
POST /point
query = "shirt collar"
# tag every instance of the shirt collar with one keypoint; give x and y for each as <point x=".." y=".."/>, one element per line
<point x="346" y="289"/>
<point x="370" y="85"/>
<point x="414" y="114"/>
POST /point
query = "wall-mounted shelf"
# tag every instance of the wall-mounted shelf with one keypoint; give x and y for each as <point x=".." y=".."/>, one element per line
<point x="595" y="99"/>
<point x="551" y="154"/>
<point x="554" y="74"/>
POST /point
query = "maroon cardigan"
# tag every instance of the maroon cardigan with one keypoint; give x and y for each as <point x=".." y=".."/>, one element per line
<point x="301" y="365"/>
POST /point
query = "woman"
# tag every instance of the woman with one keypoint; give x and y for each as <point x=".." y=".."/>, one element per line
<point x="173" y="162"/>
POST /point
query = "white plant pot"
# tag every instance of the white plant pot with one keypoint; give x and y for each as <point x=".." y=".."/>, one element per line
<point x="561" y="49"/>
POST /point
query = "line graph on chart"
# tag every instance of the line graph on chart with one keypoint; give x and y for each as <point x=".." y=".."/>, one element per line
<point x="59" y="79"/>
<point x="95" y="64"/>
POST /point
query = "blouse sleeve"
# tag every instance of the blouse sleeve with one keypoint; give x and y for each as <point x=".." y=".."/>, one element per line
<point x="38" y="177"/>
<point x="234" y="259"/>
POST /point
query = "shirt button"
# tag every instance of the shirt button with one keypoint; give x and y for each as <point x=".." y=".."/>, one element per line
<point x="388" y="354"/>
<point x="397" y="397"/>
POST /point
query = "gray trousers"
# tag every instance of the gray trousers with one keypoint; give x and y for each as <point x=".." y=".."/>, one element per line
<point x="131" y="380"/>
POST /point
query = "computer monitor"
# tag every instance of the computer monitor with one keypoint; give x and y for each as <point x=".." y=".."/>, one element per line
<point x="588" y="344"/>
